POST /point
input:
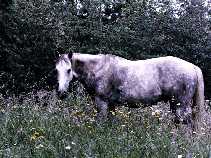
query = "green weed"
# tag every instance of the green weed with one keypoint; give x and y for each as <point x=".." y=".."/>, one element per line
<point x="40" y="125"/>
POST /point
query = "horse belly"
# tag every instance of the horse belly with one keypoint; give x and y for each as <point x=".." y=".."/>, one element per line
<point x="135" y="95"/>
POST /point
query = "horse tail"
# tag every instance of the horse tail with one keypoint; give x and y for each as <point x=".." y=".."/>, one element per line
<point x="198" y="100"/>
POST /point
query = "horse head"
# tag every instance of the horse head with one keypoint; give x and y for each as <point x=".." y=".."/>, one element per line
<point x="65" y="74"/>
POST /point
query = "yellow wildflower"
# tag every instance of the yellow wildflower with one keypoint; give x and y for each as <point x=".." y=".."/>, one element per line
<point x="112" y="112"/>
<point x="36" y="135"/>
<point x="157" y="113"/>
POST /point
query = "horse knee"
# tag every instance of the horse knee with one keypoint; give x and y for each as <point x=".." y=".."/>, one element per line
<point x="102" y="108"/>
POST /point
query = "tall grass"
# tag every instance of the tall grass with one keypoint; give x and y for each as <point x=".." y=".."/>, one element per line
<point x="39" y="125"/>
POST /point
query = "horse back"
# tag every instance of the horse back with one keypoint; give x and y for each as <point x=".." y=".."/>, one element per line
<point x="150" y="79"/>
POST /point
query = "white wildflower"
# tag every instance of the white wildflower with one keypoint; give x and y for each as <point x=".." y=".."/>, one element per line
<point x="68" y="147"/>
<point x="179" y="156"/>
<point x="39" y="146"/>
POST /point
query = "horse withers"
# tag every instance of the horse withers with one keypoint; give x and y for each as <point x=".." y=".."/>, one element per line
<point x="113" y="80"/>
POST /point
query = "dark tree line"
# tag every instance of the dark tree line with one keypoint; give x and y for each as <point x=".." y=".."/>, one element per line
<point x="32" y="31"/>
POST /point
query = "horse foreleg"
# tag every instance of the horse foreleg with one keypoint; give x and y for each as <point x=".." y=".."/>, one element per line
<point x="102" y="109"/>
<point x="184" y="114"/>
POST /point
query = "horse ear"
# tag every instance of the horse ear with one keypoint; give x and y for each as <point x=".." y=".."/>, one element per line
<point x="59" y="50"/>
<point x="70" y="55"/>
<point x="56" y="56"/>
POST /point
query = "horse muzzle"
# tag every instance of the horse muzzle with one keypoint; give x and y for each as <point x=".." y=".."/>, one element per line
<point x="62" y="95"/>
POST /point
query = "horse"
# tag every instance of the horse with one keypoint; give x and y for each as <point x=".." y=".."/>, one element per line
<point x="112" y="80"/>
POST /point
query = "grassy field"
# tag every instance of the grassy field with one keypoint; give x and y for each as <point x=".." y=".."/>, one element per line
<point x="39" y="125"/>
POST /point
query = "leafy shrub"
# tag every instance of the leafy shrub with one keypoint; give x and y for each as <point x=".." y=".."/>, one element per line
<point x="32" y="31"/>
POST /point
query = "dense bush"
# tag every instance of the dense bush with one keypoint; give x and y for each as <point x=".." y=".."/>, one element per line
<point x="32" y="31"/>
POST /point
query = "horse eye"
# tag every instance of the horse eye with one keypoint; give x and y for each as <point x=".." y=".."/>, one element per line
<point x="68" y="71"/>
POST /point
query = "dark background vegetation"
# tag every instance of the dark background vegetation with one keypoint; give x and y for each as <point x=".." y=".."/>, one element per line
<point x="31" y="32"/>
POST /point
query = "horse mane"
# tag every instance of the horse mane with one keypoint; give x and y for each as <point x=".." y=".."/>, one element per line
<point x="86" y="57"/>
<point x="91" y="62"/>
<point x="62" y="58"/>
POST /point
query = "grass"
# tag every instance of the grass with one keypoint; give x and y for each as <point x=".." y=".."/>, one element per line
<point x="39" y="125"/>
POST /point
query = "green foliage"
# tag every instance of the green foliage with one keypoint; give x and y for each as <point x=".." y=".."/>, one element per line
<point x="31" y="31"/>
<point x="39" y="125"/>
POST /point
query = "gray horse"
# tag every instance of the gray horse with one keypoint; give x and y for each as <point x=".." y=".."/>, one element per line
<point x="113" y="80"/>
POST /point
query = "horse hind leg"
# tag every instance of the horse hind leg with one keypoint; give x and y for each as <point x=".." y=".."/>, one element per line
<point x="180" y="110"/>
<point x="184" y="113"/>
<point x="184" y="104"/>
<point x="181" y="107"/>
<point x="184" y="108"/>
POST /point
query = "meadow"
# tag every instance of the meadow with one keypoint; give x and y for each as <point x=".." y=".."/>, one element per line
<point x="40" y="125"/>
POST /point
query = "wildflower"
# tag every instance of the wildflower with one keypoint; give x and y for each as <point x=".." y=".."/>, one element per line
<point x="146" y="124"/>
<point x="172" y="132"/>
<point x="73" y="143"/>
<point x="89" y="126"/>
<point x="68" y="147"/>
<point x="132" y="131"/>
<point x="113" y="113"/>
<point x="194" y="132"/>
<point x="2" y="110"/>
<point x="120" y="112"/>
<point x="14" y="107"/>
<point x="39" y="146"/>
<point x="179" y="156"/>
<point x="157" y="113"/>
<point x="92" y="120"/>
<point x="36" y="135"/>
